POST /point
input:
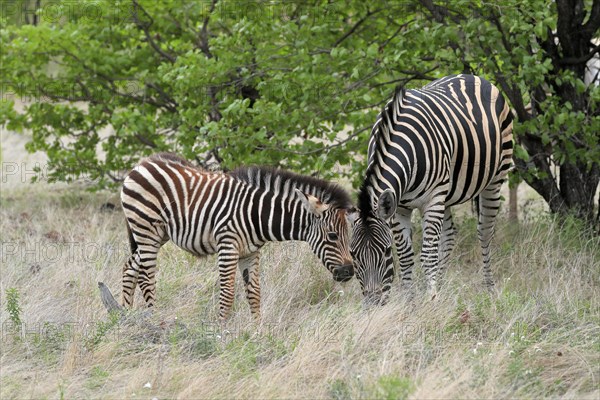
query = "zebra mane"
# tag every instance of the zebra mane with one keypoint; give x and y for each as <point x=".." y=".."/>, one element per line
<point x="279" y="180"/>
<point x="384" y="119"/>
<point x="172" y="158"/>
<point x="365" y="205"/>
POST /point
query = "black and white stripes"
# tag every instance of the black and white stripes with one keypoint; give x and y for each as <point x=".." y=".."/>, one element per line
<point x="166" y="198"/>
<point x="430" y="149"/>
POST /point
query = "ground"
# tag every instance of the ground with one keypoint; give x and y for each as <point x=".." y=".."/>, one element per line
<point x="537" y="335"/>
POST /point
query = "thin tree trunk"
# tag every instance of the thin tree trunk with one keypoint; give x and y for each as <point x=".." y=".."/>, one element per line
<point x="578" y="188"/>
<point x="598" y="217"/>
<point x="38" y="5"/>
<point x="513" y="212"/>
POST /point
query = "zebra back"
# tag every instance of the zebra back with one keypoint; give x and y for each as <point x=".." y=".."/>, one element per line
<point x="279" y="181"/>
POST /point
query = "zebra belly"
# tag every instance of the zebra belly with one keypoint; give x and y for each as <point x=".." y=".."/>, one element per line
<point x="199" y="241"/>
<point x="462" y="190"/>
<point x="459" y="191"/>
<point x="205" y="242"/>
<point x="408" y="202"/>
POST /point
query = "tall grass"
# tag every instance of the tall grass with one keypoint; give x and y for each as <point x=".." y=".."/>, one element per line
<point x="536" y="336"/>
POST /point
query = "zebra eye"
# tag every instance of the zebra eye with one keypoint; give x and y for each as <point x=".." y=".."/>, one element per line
<point x="332" y="236"/>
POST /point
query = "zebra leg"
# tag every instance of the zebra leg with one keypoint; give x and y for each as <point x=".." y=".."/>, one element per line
<point x="433" y="221"/>
<point x="402" y="229"/>
<point x="228" y="260"/>
<point x="140" y="269"/>
<point x="129" y="281"/>
<point x="489" y="204"/>
<point x="147" y="272"/>
<point x="145" y="239"/>
<point x="447" y="242"/>
<point x="249" y="269"/>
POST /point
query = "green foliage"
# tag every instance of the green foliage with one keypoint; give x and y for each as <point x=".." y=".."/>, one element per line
<point x="392" y="387"/>
<point x="574" y="234"/>
<point x="51" y="341"/>
<point x="13" y="307"/>
<point x="319" y="290"/>
<point x="339" y="390"/>
<point x="61" y="390"/>
<point x="388" y="386"/>
<point x="97" y="377"/>
<point x="102" y="329"/>
<point x="294" y="84"/>
<point x="267" y="87"/>
<point x="198" y="343"/>
<point x="247" y="351"/>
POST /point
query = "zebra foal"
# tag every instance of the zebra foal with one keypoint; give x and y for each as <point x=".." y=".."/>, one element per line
<point x="430" y="148"/>
<point x="234" y="215"/>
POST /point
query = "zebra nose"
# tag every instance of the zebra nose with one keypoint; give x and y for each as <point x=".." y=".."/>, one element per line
<point x="343" y="273"/>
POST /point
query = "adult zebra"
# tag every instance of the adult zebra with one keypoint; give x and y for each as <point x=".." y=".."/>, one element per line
<point x="234" y="215"/>
<point x="430" y="149"/>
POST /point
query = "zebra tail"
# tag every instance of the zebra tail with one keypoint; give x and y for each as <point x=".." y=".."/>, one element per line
<point x="132" y="244"/>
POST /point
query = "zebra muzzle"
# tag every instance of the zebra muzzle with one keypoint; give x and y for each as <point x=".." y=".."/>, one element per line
<point x="343" y="273"/>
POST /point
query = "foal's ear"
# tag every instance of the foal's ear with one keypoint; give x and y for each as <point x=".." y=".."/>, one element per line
<point x="351" y="215"/>
<point x="311" y="203"/>
<point x="386" y="204"/>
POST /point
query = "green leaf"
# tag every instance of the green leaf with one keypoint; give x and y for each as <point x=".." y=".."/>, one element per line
<point x="521" y="153"/>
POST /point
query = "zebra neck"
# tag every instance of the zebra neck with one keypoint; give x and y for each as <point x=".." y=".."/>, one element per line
<point x="391" y="165"/>
<point x="382" y="180"/>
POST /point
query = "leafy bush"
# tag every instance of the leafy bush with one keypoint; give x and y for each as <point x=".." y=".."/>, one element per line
<point x="13" y="307"/>
<point x="295" y="84"/>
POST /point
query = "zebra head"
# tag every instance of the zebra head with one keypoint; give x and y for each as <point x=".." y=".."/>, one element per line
<point x="327" y="234"/>
<point x="371" y="249"/>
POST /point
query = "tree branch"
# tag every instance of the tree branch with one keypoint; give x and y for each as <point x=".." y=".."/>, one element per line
<point x="580" y="60"/>
<point x="320" y="150"/>
<point x="144" y="27"/>
<point x="394" y="34"/>
<point x="496" y="20"/>
<point x="591" y="27"/>
<point x="204" y="47"/>
<point x="354" y="27"/>
<point x="164" y="95"/>
<point x="145" y="140"/>
<point x="439" y="13"/>
<point x="412" y="76"/>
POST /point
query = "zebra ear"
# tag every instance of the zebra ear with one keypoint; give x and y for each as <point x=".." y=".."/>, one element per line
<point x="386" y="205"/>
<point x="311" y="203"/>
<point x="351" y="215"/>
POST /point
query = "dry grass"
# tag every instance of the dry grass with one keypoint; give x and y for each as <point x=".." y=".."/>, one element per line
<point x="537" y="336"/>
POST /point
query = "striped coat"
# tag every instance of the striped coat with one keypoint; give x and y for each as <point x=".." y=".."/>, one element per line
<point x="430" y="148"/>
<point x="234" y="215"/>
